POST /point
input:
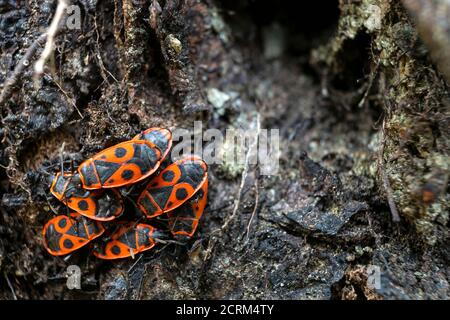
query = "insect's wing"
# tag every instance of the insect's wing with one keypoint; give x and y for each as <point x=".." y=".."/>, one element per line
<point x="160" y="137"/>
<point x="59" y="185"/>
<point x="65" y="234"/>
<point x="101" y="205"/>
<point x="129" y="240"/>
<point x="123" y="164"/>
<point x="184" y="219"/>
<point x="173" y="186"/>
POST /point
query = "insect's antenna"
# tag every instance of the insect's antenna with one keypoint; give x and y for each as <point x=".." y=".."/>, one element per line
<point x="160" y="218"/>
<point x="163" y="237"/>
<point x="169" y="241"/>
<point x="72" y="170"/>
<point x="45" y="172"/>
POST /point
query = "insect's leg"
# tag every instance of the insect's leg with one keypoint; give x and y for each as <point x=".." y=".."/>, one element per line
<point x="125" y="191"/>
<point x="68" y="212"/>
<point x="72" y="170"/>
<point x="50" y="206"/>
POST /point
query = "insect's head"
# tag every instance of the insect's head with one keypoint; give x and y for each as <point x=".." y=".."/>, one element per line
<point x="160" y="235"/>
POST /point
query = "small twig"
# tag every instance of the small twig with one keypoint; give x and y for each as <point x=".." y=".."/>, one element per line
<point x="20" y="68"/>
<point x="385" y="178"/>
<point x="238" y="201"/>
<point x="10" y="286"/>
<point x="392" y="206"/>
<point x="29" y="54"/>
<point x="369" y="86"/>
<point x="51" y="33"/>
<point x="99" y="57"/>
<point x="247" y="235"/>
<point x="244" y="176"/>
<point x="378" y="243"/>
<point x="134" y="264"/>
<point x="67" y="96"/>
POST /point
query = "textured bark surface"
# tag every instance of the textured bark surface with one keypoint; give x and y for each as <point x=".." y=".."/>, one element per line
<point x="363" y="113"/>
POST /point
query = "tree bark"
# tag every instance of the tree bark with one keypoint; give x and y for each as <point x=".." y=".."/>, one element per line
<point x="352" y="86"/>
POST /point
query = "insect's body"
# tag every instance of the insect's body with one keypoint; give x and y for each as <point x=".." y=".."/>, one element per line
<point x="123" y="164"/>
<point x="128" y="240"/>
<point x="173" y="186"/>
<point x="161" y="138"/>
<point x="64" y="234"/>
<point x="180" y="190"/>
<point x="101" y="205"/>
<point x="184" y="219"/>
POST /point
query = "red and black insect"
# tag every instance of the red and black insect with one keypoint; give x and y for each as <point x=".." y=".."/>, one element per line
<point x="123" y="164"/>
<point x="127" y="162"/>
<point x="64" y="234"/>
<point x="173" y="186"/>
<point x="184" y="219"/>
<point x="128" y="240"/>
<point x="180" y="190"/>
<point x="101" y="205"/>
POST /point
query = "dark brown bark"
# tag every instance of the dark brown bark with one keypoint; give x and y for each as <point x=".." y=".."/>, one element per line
<point x="351" y="87"/>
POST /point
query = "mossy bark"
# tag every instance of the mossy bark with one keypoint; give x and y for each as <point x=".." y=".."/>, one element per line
<point x="414" y="132"/>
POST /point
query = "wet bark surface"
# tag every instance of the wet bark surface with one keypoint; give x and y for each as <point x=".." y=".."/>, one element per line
<point x="362" y="112"/>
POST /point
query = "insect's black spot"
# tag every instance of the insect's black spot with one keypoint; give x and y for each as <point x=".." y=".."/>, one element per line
<point x="169" y="204"/>
<point x="115" y="250"/>
<point x="62" y="223"/>
<point x="181" y="194"/>
<point x="120" y="152"/>
<point x="68" y="244"/>
<point x="168" y="176"/>
<point x="127" y="174"/>
<point x="83" y="205"/>
<point x="69" y="201"/>
<point x="103" y="157"/>
<point x="80" y="241"/>
<point x="154" y="184"/>
<point x="200" y="194"/>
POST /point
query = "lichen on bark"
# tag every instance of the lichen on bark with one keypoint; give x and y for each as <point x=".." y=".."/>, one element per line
<point x="414" y="98"/>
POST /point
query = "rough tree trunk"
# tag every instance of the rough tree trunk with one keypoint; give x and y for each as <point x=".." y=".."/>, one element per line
<point x="364" y="128"/>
